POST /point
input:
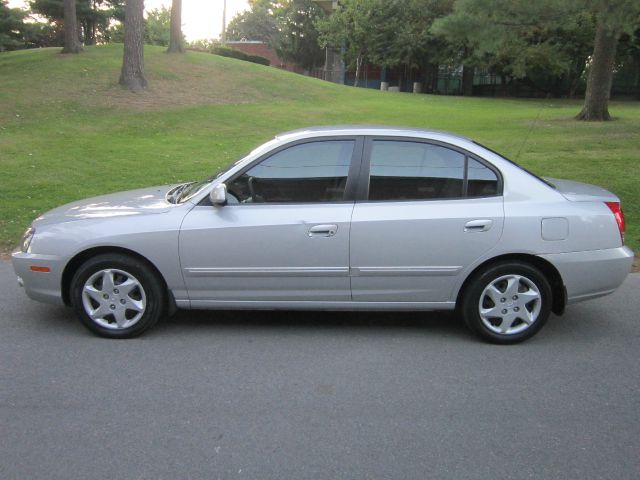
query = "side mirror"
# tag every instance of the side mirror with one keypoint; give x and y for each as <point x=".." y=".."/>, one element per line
<point x="218" y="195"/>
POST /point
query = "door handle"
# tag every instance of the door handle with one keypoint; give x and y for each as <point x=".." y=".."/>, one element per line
<point x="478" y="225"/>
<point x="323" y="230"/>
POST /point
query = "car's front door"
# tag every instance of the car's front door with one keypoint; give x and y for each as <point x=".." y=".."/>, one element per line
<point x="427" y="211"/>
<point x="283" y="236"/>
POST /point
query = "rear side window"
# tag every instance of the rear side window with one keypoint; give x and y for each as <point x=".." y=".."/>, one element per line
<point x="414" y="171"/>
<point x="402" y="170"/>
<point x="305" y="173"/>
<point x="482" y="181"/>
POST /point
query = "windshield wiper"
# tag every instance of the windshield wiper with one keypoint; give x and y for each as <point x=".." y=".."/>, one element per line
<point x="174" y="195"/>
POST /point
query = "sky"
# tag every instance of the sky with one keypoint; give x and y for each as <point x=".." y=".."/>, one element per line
<point x="201" y="19"/>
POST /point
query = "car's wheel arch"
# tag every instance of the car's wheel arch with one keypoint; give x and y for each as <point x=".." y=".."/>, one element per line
<point x="79" y="258"/>
<point x="550" y="272"/>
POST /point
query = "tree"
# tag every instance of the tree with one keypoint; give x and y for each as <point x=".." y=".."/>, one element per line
<point x="361" y="28"/>
<point x="613" y="18"/>
<point x="93" y="16"/>
<point x="40" y="35"/>
<point x="545" y="43"/>
<point x="71" y="42"/>
<point x="628" y="61"/>
<point x="297" y="39"/>
<point x="257" y="23"/>
<point x="286" y="25"/>
<point x="409" y="41"/>
<point x="157" y="27"/>
<point x="11" y="27"/>
<point x="132" y="75"/>
<point x="175" y="40"/>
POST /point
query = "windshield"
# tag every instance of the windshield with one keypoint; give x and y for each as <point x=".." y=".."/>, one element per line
<point x="188" y="190"/>
<point x="184" y="192"/>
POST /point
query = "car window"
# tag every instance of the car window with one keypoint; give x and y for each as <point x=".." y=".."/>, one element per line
<point x="414" y="171"/>
<point x="309" y="172"/>
<point x="481" y="181"/>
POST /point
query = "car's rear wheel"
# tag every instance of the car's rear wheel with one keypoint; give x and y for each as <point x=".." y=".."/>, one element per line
<point x="507" y="302"/>
<point x="117" y="296"/>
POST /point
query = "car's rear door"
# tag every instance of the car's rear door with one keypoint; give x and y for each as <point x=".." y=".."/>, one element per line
<point x="284" y="236"/>
<point x="426" y="211"/>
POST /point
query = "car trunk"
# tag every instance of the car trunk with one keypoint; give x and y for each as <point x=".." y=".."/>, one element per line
<point x="582" y="192"/>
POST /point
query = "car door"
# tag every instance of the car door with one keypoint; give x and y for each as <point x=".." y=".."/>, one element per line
<point x="427" y="211"/>
<point x="284" y="234"/>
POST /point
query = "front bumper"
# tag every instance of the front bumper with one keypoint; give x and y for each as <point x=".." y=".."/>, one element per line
<point x="593" y="273"/>
<point x="38" y="285"/>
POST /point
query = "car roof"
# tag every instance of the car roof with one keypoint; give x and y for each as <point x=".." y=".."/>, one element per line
<point x="379" y="130"/>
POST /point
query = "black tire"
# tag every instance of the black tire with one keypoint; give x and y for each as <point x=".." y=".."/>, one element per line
<point x="530" y="282"/>
<point x="148" y="292"/>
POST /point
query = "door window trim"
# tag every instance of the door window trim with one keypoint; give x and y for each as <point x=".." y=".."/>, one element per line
<point x="353" y="175"/>
<point x="365" y="171"/>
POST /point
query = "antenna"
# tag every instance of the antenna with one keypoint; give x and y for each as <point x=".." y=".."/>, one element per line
<point x="526" y="137"/>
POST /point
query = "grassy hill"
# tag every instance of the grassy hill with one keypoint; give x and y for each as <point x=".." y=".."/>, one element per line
<point x="68" y="131"/>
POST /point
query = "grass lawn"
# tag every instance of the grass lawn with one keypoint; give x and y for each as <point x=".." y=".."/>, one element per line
<point x="68" y="131"/>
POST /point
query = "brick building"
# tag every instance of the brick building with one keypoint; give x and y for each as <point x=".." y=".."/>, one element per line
<point x="254" y="47"/>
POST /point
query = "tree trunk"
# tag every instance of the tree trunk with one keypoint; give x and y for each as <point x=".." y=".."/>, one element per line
<point x="71" y="42"/>
<point x="175" y="39"/>
<point x="132" y="75"/>
<point x="467" y="80"/>
<point x="91" y="33"/>
<point x="432" y="77"/>
<point x="596" y="100"/>
<point x="574" y="77"/>
<point x="358" y="65"/>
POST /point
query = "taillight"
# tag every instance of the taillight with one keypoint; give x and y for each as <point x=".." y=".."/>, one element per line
<point x="619" y="215"/>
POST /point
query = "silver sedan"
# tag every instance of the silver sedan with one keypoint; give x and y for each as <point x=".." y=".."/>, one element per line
<point x="336" y="218"/>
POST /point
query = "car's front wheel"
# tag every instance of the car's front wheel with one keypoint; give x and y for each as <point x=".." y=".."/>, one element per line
<point x="117" y="296"/>
<point x="507" y="302"/>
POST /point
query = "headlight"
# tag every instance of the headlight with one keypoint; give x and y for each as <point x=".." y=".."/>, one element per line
<point x="26" y="239"/>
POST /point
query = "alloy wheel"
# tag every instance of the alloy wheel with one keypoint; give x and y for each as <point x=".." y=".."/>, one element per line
<point x="510" y="304"/>
<point x="113" y="299"/>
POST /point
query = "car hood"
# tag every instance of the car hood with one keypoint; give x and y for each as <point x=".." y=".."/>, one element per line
<point x="144" y="201"/>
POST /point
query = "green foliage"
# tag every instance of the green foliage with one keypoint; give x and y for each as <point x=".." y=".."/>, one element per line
<point x="616" y="15"/>
<point x="115" y="33"/>
<point x="157" y="27"/>
<point x="94" y="16"/>
<point x="547" y="40"/>
<point x="627" y="74"/>
<point x="202" y="44"/>
<point x="414" y="44"/>
<point x="239" y="55"/>
<point x="257" y="23"/>
<point x="39" y="34"/>
<point x="11" y="27"/>
<point x="286" y="25"/>
<point x="385" y="32"/>
<point x="363" y="28"/>
<point x="297" y="40"/>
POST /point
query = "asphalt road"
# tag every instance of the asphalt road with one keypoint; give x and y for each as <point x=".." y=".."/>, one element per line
<point x="319" y="396"/>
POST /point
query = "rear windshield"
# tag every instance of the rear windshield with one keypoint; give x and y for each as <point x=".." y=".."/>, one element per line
<point x="546" y="182"/>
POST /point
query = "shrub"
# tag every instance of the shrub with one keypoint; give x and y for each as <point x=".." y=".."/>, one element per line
<point x="239" y="55"/>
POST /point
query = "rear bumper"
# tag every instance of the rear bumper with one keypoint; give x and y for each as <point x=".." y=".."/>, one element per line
<point x="41" y="286"/>
<point x="592" y="273"/>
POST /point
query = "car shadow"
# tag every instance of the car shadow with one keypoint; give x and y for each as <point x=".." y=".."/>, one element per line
<point x="442" y="323"/>
<point x="47" y="319"/>
<point x="584" y="327"/>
